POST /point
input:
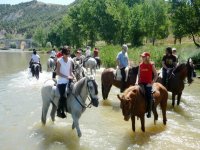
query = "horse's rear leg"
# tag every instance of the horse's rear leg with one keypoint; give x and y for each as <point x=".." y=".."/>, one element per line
<point x="105" y="90"/>
<point x="76" y="124"/>
<point x="133" y="123"/>
<point x="155" y="113"/>
<point x="173" y="99"/>
<point x="179" y="98"/>
<point x="45" y="108"/>
<point x="53" y="112"/>
<point x="163" y="106"/>
<point x="142" y="123"/>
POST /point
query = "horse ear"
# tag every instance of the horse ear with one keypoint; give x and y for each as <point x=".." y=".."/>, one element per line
<point x="119" y="97"/>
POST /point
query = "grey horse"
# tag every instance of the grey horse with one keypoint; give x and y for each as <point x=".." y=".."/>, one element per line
<point x="75" y="104"/>
<point x="91" y="63"/>
<point x="51" y="64"/>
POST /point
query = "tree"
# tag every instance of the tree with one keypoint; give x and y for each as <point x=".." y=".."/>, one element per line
<point x="40" y="36"/>
<point x="155" y="17"/>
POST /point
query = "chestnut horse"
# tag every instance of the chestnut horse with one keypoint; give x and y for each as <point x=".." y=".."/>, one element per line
<point x="133" y="103"/>
<point x="176" y="81"/>
<point x="108" y="79"/>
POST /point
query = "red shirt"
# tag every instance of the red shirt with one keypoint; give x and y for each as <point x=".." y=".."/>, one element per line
<point x="59" y="54"/>
<point x="146" y="72"/>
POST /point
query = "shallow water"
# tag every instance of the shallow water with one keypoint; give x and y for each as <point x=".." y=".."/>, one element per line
<point x="102" y="127"/>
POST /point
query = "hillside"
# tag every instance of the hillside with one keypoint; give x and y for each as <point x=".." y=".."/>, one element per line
<point x="24" y="18"/>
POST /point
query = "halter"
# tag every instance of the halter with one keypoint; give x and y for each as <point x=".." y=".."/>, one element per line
<point x="89" y="97"/>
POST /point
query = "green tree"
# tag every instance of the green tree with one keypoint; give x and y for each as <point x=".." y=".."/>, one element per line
<point x="40" y="36"/>
<point x="155" y="17"/>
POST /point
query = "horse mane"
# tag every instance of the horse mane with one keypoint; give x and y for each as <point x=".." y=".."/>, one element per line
<point x="134" y="70"/>
<point x="179" y="67"/>
<point x="78" y="86"/>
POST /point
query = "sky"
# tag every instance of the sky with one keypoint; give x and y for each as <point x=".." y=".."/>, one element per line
<point x="13" y="2"/>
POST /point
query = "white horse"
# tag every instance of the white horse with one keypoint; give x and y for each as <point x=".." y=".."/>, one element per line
<point x="79" y="71"/>
<point x="75" y="101"/>
<point x="51" y="64"/>
<point x="91" y="63"/>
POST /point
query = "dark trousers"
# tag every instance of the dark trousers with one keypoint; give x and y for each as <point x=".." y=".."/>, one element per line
<point x="123" y="73"/>
<point x="62" y="88"/>
<point x="165" y="76"/>
<point x="148" y="94"/>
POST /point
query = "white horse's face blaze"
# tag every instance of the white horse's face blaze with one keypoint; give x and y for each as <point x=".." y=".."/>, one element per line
<point x="93" y="92"/>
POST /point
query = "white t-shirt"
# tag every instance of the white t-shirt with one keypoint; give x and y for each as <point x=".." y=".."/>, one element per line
<point x="35" y="58"/>
<point x="65" y="68"/>
<point x="53" y="53"/>
<point x="87" y="53"/>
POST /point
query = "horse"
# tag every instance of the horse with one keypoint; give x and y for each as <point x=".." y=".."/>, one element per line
<point x="98" y="60"/>
<point x="91" y="64"/>
<point x="79" y="71"/>
<point x="75" y="103"/>
<point x="108" y="79"/>
<point x="133" y="103"/>
<point x="176" y="81"/>
<point x="35" y="70"/>
<point x="51" y="64"/>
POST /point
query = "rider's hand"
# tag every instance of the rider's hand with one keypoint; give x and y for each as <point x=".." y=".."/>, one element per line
<point x="69" y="77"/>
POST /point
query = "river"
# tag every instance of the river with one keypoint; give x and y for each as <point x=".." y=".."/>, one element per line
<point x="103" y="128"/>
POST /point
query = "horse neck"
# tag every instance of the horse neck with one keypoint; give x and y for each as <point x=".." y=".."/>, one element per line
<point x="84" y="92"/>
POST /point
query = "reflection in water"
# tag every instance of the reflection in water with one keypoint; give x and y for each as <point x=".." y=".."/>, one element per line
<point x="102" y="127"/>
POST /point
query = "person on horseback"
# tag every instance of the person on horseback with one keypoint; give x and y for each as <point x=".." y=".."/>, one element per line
<point x="169" y="62"/>
<point x="175" y="54"/>
<point x="35" y="59"/>
<point x="53" y="54"/>
<point x="78" y="57"/>
<point x="65" y="76"/>
<point x="122" y="63"/>
<point x="147" y="75"/>
<point x="87" y="54"/>
<point x="96" y="52"/>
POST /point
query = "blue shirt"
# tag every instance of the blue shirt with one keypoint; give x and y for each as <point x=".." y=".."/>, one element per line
<point x="123" y="59"/>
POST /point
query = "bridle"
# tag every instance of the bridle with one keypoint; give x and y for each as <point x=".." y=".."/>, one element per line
<point x="90" y="95"/>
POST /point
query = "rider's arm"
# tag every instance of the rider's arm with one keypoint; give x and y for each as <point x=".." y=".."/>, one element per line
<point x="138" y="76"/>
<point x="163" y="65"/>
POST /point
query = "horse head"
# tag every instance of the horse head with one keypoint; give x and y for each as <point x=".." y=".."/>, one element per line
<point x="127" y="102"/>
<point x="93" y="91"/>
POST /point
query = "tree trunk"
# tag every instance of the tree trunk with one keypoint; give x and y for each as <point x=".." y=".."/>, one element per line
<point x="175" y="40"/>
<point x="198" y="45"/>
<point x="180" y="40"/>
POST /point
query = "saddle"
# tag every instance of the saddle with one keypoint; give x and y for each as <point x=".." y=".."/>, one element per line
<point x="118" y="75"/>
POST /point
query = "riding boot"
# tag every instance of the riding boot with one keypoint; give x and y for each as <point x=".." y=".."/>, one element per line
<point x="60" y="110"/>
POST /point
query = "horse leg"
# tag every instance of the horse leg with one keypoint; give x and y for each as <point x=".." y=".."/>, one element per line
<point x="155" y="113"/>
<point x="53" y="112"/>
<point x="133" y="122"/>
<point x="163" y="106"/>
<point x="142" y="123"/>
<point x="105" y="90"/>
<point x="73" y="126"/>
<point x="45" y="107"/>
<point x="173" y="99"/>
<point x="76" y="123"/>
<point x="179" y="98"/>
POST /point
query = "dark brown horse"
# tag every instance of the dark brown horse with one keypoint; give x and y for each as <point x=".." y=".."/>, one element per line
<point x="176" y="81"/>
<point x="108" y="79"/>
<point x="133" y="104"/>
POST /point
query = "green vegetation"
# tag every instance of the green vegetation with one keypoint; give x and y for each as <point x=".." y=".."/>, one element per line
<point x="108" y="53"/>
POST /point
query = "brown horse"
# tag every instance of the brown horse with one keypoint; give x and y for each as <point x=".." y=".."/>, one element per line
<point x="108" y="79"/>
<point x="176" y="81"/>
<point x="133" y="103"/>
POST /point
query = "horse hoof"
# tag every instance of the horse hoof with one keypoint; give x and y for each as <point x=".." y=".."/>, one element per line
<point x="79" y="134"/>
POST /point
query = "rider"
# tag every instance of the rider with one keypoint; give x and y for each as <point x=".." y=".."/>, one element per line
<point x="175" y="54"/>
<point x="169" y="62"/>
<point x="78" y="57"/>
<point x="64" y="72"/>
<point x="147" y="75"/>
<point x="35" y="59"/>
<point x="122" y="63"/>
<point x="96" y="52"/>
<point x="53" y="54"/>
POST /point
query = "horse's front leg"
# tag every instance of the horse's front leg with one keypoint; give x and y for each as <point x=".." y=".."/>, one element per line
<point x="173" y="99"/>
<point x="133" y="122"/>
<point x="45" y="107"/>
<point x="142" y="123"/>
<point x="76" y="124"/>
<point x="179" y="98"/>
